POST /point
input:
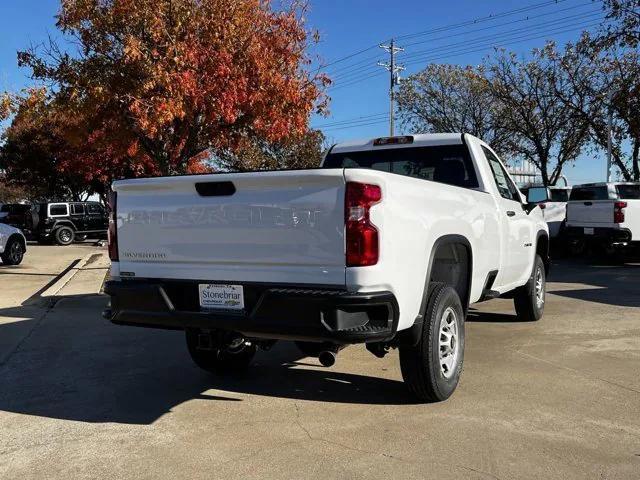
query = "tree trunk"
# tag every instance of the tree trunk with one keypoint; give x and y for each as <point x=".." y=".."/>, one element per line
<point x="635" y="160"/>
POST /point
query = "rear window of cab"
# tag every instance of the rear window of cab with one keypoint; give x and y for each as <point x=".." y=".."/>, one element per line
<point x="450" y="164"/>
<point x="589" y="193"/>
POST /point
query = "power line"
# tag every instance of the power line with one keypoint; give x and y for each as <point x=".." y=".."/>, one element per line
<point x="377" y="122"/>
<point x="586" y="16"/>
<point x="498" y="36"/>
<point x="484" y="19"/>
<point x="358" y="65"/>
<point x="474" y="21"/>
<point x="352" y="120"/>
<point x="516" y="39"/>
<point x="505" y="42"/>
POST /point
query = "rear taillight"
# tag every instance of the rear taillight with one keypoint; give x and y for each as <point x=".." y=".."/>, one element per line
<point x="112" y="231"/>
<point x="361" y="235"/>
<point x="618" y="212"/>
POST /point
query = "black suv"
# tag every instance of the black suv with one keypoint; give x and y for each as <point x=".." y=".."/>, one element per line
<point x="62" y="222"/>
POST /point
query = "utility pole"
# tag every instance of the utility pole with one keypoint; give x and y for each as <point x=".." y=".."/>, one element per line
<point x="394" y="72"/>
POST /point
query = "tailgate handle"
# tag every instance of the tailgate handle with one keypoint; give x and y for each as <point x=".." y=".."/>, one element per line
<point x="588" y="204"/>
<point x="215" y="189"/>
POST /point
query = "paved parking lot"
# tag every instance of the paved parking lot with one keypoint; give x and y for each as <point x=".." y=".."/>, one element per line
<point x="560" y="398"/>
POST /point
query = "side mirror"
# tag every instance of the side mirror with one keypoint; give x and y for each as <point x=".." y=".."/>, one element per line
<point x="537" y="195"/>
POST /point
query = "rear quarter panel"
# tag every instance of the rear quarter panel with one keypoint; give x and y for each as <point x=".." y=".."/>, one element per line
<point x="413" y="214"/>
<point x="632" y="219"/>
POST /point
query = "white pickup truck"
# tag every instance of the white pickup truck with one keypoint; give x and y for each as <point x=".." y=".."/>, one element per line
<point x="553" y="202"/>
<point x="605" y="215"/>
<point x="386" y="244"/>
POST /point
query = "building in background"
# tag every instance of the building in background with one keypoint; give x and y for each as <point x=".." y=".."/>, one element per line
<point x="525" y="173"/>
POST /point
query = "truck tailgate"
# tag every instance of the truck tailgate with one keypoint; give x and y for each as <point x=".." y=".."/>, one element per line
<point x="277" y="227"/>
<point x="591" y="212"/>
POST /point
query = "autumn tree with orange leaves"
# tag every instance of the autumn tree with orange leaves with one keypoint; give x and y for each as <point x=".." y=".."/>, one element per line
<point x="165" y="83"/>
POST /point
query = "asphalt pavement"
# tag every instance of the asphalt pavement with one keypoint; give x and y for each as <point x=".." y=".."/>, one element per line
<point x="82" y="398"/>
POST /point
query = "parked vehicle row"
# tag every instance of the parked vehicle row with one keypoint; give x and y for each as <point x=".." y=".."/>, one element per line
<point x="600" y="218"/>
<point x="605" y="215"/>
<point x="553" y="202"/>
<point x="387" y="244"/>
<point x="59" y="222"/>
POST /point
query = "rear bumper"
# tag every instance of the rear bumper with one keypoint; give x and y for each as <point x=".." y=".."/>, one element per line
<point x="272" y="312"/>
<point x="601" y="234"/>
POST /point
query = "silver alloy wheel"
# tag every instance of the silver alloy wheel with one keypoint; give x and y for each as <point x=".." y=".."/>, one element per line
<point x="65" y="235"/>
<point x="448" y="343"/>
<point x="539" y="288"/>
<point x="15" y="252"/>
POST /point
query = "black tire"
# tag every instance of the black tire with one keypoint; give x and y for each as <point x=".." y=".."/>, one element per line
<point x="577" y="247"/>
<point x="216" y="360"/>
<point x="422" y="368"/>
<point x="313" y="349"/>
<point x="526" y="298"/>
<point x="64" y="235"/>
<point x="13" y="252"/>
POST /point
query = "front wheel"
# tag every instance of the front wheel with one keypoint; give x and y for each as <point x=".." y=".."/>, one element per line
<point x="218" y="352"/>
<point x="431" y="369"/>
<point x="13" y="252"/>
<point x="530" y="298"/>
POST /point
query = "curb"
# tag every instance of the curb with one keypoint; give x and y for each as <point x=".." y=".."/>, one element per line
<point x="81" y="266"/>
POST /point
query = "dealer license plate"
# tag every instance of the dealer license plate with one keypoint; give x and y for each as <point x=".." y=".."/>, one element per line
<point x="214" y="296"/>
<point x="588" y="230"/>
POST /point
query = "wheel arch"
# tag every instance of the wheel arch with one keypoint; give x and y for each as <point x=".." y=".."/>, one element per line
<point x="64" y="223"/>
<point x="20" y="238"/>
<point x="460" y="280"/>
<point x="542" y="249"/>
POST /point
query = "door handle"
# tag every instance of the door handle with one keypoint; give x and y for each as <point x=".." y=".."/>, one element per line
<point x="588" y="204"/>
<point x="510" y="213"/>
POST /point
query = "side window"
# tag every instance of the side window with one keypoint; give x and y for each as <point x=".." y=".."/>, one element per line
<point x="94" y="209"/>
<point x="77" y="209"/>
<point x="58" y="210"/>
<point x="505" y="186"/>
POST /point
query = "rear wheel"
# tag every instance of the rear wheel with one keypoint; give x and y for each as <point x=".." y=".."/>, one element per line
<point x="219" y="352"/>
<point x="530" y="298"/>
<point x="431" y="369"/>
<point x="13" y="252"/>
<point x="64" y="235"/>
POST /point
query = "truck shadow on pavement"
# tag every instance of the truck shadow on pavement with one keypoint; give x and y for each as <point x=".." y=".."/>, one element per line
<point x="71" y="364"/>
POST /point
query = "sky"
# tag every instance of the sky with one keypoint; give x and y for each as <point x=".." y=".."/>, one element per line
<point x="454" y="31"/>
